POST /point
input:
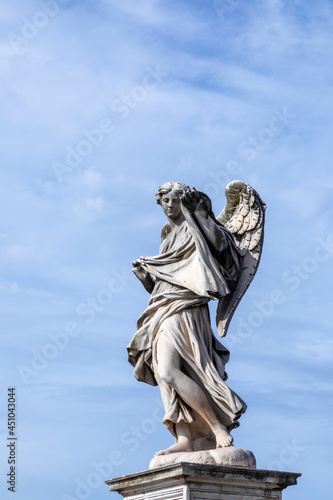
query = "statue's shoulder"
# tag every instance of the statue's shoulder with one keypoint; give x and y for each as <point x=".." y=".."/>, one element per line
<point x="166" y="229"/>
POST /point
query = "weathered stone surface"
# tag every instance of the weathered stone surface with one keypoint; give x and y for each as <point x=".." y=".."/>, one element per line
<point x="201" y="258"/>
<point x="203" y="482"/>
<point x="230" y="456"/>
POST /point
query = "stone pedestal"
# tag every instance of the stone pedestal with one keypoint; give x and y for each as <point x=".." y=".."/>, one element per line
<point x="229" y="456"/>
<point x="188" y="481"/>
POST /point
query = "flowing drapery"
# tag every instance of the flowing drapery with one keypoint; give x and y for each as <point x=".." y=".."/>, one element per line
<point x="188" y="272"/>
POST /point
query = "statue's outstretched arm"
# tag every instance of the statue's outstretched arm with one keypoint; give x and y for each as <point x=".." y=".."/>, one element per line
<point x="197" y="203"/>
<point x="212" y="231"/>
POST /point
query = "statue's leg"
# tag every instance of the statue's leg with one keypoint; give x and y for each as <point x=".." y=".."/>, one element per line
<point x="169" y="367"/>
<point x="184" y="441"/>
<point x="183" y="433"/>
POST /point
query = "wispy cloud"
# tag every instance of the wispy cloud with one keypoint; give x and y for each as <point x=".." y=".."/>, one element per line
<point x="63" y="241"/>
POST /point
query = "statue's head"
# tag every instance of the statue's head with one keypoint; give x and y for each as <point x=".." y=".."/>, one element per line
<point x="176" y="186"/>
<point x="168" y="196"/>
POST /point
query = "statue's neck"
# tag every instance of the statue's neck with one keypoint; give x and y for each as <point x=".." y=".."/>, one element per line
<point x="174" y="223"/>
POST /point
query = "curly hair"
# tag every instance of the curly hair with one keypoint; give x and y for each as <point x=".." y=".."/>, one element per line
<point x="167" y="187"/>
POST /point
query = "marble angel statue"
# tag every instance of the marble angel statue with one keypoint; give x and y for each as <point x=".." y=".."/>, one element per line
<point x="201" y="258"/>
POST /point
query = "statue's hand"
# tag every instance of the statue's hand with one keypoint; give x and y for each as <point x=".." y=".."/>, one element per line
<point x="137" y="262"/>
<point x="138" y="270"/>
<point x="142" y="275"/>
<point x="192" y="200"/>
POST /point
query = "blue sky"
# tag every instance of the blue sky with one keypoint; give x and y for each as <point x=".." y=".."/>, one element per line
<point x="102" y="102"/>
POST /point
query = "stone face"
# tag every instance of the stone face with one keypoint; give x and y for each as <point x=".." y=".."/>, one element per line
<point x="203" y="482"/>
<point x="230" y="456"/>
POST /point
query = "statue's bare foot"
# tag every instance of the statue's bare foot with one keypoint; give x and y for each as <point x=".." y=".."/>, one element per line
<point x="223" y="439"/>
<point x="181" y="446"/>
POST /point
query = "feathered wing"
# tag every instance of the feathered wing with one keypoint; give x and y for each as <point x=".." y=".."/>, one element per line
<point x="244" y="216"/>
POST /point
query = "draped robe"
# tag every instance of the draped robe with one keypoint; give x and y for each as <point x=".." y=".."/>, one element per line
<point x="196" y="262"/>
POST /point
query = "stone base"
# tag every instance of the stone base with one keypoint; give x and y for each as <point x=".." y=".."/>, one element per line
<point x="230" y="456"/>
<point x="186" y="481"/>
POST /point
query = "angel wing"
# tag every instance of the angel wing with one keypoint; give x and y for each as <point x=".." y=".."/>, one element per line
<point x="244" y="216"/>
